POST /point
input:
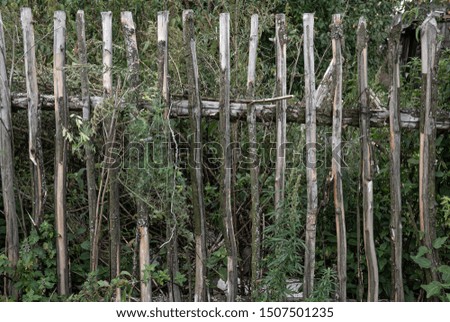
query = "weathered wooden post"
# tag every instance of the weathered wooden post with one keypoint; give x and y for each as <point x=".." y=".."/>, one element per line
<point x="311" y="171"/>
<point x="394" y="52"/>
<point x="225" y="129"/>
<point x="366" y="155"/>
<point x="34" y="118"/>
<point x="171" y="219"/>
<point x="112" y="166"/>
<point x="336" y="36"/>
<point x="89" y="153"/>
<point x="61" y="119"/>
<point x="427" y="193"/>
<point x="281" y="106"/>
<point x="7" y="168"/>
<point x="196" y="157"/>
<point x="129" y="31"/>
<point x="255" y="213"/>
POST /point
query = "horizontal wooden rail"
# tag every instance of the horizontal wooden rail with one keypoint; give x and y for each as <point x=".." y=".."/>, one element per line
<point x="409" y="118"/>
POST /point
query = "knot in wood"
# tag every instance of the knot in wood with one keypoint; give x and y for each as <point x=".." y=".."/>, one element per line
<point x="362" y="43"/>
<point x="141" y="222"/>
<point x="337" y="31"/>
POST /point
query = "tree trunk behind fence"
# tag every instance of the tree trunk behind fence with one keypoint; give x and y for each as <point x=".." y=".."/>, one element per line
<point x="366" y="155"/>
<point x="61" y="119"/>
<point x="7" y="169"/>
<point x="341" y="235"/>
<point x="394" y="122"/>
<point x="196" y="156"/>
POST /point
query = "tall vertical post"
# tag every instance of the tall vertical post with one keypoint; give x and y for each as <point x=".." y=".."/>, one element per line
<point x="366" y="155"/>
<point x="129" y="31"/>
<point x="255" y="213"/>
<point x="336" y="36"/>
<point x="427" y="189"/>
<point x="311" y="171"/>
<point x="34" y="118"/>
<point x="171" y="220"/>
<point x="225" y="129"/>
<point x="7" y="167"/>
<point x="281" y="88"/>
<point x="110" y="128"/>
<point x="394" y="51"/>
<point x="61" y="119"/>
<point x="89" y="152"/>
<point x="196" y="157"/>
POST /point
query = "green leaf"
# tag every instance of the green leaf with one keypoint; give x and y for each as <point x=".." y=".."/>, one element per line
<point x="180" y="279"/>
<point x="85" y="245"/>
<point x="422" y="262"/>
<point x="439" y="242"/>
<point x="413" y="161"/>
<point x="125" y="273"/>
<point x="445" y="270"/>
<point x="432" y="289"/>
<point x="103" y="283"/>
<point x="448" y="297"/>
<point x="422" y="251"/>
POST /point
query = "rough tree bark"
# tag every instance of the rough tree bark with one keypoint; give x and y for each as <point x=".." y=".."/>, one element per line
<point x="394" y="52"/>
<point x="337" y="35"/>
<point x="7" y="169"/>
<point x="311" y="171"/>
<point x="225" y="129"/>
<point x="196" y="157"/>
<point x="366" y="156"/>
<point x="61" y="120"/>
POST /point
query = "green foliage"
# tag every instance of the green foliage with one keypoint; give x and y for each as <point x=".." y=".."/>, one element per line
<point x="35" y="274"/>
<point x="95" y="290"/>
<point x="325" y="287"/>
<point x="284" y="248"/>
<point x="217" y="264"/>
<point x="441" y="288"/>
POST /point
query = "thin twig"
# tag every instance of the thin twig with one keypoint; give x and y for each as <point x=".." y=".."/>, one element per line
<point x="269" y="100"/>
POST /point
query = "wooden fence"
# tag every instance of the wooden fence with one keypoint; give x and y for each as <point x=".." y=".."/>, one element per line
<point x="280" y="109"/>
